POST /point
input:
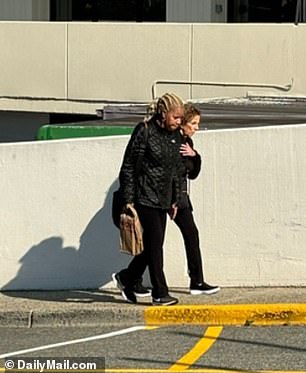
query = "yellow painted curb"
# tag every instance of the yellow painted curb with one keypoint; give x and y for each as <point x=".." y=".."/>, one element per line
<point x="236" y="314"/>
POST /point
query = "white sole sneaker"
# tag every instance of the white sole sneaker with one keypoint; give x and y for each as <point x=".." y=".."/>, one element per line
<point x="121" y="288"/>
<point x="157" y="302"/>
<point x="141" y="295"/>
<point x="207" y="292"/>
<point x="116" y="282"/>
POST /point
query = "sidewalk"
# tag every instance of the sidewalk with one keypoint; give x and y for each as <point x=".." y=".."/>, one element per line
<point x="238" y="306"/>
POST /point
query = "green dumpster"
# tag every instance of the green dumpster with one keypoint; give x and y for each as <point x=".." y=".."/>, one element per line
<point x="52" y="132"/>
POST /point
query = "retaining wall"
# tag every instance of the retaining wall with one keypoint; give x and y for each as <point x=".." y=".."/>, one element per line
<point x="249" y="204"/>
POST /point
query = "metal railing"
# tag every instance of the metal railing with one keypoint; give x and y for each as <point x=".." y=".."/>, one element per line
<point x="284" y="88"/>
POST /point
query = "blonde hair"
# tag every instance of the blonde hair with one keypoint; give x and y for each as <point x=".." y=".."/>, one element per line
<point x="163" y="105"/>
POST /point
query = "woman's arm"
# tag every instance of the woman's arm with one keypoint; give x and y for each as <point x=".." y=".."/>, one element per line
<point x="193" y="159"/>
<point x="127" y="175"/>
<point x="196" y="162"/>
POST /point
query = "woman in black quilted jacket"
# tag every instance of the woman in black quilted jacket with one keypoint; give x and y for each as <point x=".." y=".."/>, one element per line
<point x="155" y="192"/>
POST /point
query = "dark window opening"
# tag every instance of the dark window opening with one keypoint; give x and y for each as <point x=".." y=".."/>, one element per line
<point x="108" y="10"/>
<point x="57" y="118"/>
<point x="266" y="11"/>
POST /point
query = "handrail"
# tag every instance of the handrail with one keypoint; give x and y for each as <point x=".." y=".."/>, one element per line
<point x="285" y="87"/>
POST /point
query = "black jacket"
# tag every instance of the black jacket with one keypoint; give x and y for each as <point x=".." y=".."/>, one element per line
<point x="191" y="169"/>
<point x="159" y="182"/>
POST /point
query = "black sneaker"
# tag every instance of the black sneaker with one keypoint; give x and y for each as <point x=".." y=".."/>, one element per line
<point x="164" y="301"/>
<point x="203" y="288"/>
<point x="127" y="293"/>
<point x="140" y="290"/>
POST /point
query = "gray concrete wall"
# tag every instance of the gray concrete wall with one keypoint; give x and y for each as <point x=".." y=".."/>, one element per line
<point x="16" y="10"/>
<point x="196" y="11"/>
<point x="249" y="204"/>
<point x="24" y="10"/>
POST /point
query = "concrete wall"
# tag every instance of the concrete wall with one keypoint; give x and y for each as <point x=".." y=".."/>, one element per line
<point x="76" y="67"/>
<point x="24" y="10"/>
<point x="124" y="66"/>
<point x="196" y="11"/>
<point x="40" y="69"/>
<point x="262" y="54"/>
<point x="249" y="201"/>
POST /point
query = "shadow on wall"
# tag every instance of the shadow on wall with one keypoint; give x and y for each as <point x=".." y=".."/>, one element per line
<point x="50" y="265"/>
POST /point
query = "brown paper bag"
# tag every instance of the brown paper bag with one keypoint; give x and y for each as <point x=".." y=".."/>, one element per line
<point x="130" y="232"/>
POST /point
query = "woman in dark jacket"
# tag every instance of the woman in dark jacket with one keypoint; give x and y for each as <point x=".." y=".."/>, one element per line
<point x="155" y="192"/>
<point x="184" y="217"/>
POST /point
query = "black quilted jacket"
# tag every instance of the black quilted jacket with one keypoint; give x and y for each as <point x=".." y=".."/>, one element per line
<point x="159" y="183"/>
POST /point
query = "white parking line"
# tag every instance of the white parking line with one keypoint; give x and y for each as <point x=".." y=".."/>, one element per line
<point x="81" y="340"/>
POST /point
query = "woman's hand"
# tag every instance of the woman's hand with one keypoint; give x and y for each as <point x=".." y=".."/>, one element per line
<point x="173" y="211"/>
<point x="187" y="151"/>
<point x="127" y="206"/>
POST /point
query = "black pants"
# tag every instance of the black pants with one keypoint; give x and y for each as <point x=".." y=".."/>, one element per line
<point x="153" y="222"/>
<point x="185" y="221"/>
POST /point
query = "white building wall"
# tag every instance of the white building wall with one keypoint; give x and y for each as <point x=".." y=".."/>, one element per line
<point x="40" y="69"/>
<point x="77" y="67"/>
<point x="249" y="203"/>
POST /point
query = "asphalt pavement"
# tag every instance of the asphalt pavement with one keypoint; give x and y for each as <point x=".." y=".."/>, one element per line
<point x="231" y="306"/>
